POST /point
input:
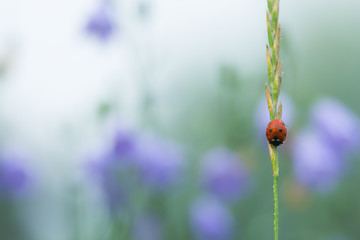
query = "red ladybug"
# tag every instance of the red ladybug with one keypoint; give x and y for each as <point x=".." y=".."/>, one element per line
<point x="276" y="132"/>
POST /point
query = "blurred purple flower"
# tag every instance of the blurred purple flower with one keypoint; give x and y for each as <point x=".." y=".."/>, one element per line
<point x="262" y="117"/>
<point x="160" y="162"/>
<point x="14" y="178"/>
<point x="111" y="168"/>
<point x="101" y="22"/>
<point x="317" y="165"/>
<point x="210" y="219"/>
<point x="224" y="174"/>
<point x="124" y="146"/>
<point x="147" y="228"/>
<point x="336" y="124"/>
<point x="108" y="174"/>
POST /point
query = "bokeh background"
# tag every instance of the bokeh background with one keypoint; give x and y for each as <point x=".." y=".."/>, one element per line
<point x="145" y="120"/>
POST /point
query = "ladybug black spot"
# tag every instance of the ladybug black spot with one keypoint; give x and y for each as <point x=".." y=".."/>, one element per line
<point x="285" y="134"/>
<point x="280" y="130"/>
<point x="270" y="130"/>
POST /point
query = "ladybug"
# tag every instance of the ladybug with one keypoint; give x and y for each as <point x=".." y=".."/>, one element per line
<point x="276" y="132"/>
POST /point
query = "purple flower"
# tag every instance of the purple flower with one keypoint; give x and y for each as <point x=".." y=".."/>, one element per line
<point x="101" y="22"/>
<point x="124" y="146"/>
<point x="109" y="174"/>
<point x="14" y="178"/>
<point x="317" y="165"/>
<point x="224" y="174"/>
<point x="262" y="117"/>
<point x="336" y="124"/>
<point x="111" y="168"/>
<point x="160" y="162"/>
<point x="147" y="228"/>
<point x="210" y="219"/>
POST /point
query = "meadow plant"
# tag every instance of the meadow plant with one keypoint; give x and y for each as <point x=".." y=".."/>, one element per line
<point x="101" y="23"/>
<point x="327" y="115"/>
<point x="132" y="172"/>
<point x="110" y="169"/>
<point x="322" y="151"/>
<point x="123" y="146"/>
<point x="317" y="165"/>
<point x="210" y="219"/>
<point x="272" y="88"/>
<point x="147" y="227"/>
<point x="159" y="162"/>
<point x="14" y="177"/>
<point x="107" y="172"/>
<point x="224" y="175"/>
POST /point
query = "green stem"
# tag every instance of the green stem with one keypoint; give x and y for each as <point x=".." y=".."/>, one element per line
<point x="276" y="208"/>
<point x="275" y="167"/>
<point x="272" y="92"/>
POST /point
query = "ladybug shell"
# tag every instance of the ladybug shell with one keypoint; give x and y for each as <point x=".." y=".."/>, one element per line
<point x="276" y="132"/>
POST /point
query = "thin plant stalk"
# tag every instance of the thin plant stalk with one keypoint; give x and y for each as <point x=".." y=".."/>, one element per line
<point x="272" y="89"/>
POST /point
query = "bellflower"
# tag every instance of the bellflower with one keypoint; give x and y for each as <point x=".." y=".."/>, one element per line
<point x="111" y="168"/>
<point x="14" y="178"/>
<point x="337" y="124"/>
<point x="101" y="22"/>
<point x="317" y="165"/>
<point x="160" y="162"/>
<point x="124" y="146"/>
<point x="210" y="219"/>
<point x="108" y="174"/>
<point x="224" y="174"/>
